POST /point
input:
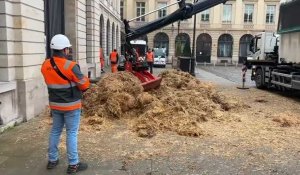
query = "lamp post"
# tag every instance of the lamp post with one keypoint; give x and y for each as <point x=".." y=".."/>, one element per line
<point x="193" y="60"/>
<point x="177" y="42"/>
<point x="172" y="28"/>
<point x="178" y="27"/>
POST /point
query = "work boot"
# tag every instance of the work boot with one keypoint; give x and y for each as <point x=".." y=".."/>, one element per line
<point x="52" y="165"/>
<point x="72" y="169"/>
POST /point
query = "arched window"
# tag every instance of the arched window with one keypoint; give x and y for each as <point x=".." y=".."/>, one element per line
<point x="113" y="36"/>
<point x="101" y="31"/>
<point x="244" y="47"/>
<point x="203" y="48"/>
<point x="118" y="37"/>
<point x="107" y="37"/>
<point x="161" y="40"/>
<point x="225" y="44"/>
<point x="182" y="39"/>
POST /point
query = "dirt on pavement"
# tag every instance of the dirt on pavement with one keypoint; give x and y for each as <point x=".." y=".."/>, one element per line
<point x="262" y="137"/>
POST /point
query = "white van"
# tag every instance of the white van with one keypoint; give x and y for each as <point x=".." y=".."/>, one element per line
<point x="159" y="57"/>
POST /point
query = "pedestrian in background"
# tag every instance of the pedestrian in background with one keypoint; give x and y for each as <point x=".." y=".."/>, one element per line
<point x="65" y="84"/>
<point x="150" y="59"/>
<point x="102" y="61"/>
<point x="114" y="58"/>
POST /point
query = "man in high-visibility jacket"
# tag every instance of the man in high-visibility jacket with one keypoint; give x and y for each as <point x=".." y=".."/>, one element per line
<point x="65" y="84"/>
<point x="150" y="59"/>
<point x="101" y="56"/>
<point x="114" y="58"/>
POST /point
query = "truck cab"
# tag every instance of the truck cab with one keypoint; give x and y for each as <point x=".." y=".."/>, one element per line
<point x="264" y="46"/>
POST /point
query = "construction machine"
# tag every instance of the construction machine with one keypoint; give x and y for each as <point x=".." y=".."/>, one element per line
<point x="139" y="67"/>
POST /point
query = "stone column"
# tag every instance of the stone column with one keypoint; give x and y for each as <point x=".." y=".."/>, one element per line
<point x="75" y="15"/>
<point x="22" y="52"/>
<point x="235" y="47"/>
<point x="214" y="48"/>
<point x="8" y="85"/>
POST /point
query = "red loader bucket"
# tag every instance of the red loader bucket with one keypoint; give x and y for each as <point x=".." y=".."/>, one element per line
<point x="148" y="80"/>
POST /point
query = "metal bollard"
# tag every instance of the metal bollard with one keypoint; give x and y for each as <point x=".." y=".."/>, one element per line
<point x="244" y="70"/>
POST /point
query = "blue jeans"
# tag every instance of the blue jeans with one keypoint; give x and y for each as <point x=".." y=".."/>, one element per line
<point x="71" y="119"/>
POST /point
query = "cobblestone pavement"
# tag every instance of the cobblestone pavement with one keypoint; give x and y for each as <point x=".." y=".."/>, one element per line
<point x="221" y="75"/>
<point x="231" y="73"/>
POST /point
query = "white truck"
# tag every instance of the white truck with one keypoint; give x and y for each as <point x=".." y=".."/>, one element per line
<point x="264" y="46"/>
<point x="275" y="59"/>
<point x="159" y="57"/>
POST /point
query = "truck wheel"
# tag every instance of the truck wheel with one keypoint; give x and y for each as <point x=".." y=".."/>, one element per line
<point x="259" y="80"/>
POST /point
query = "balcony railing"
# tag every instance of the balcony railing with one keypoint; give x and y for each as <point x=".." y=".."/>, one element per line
<point x="204" y="25"/>
<point x="137" y="23"/>
<point x="248" y="26"/>
<point x="270" y="27"/>
<point x="226" y="25"/>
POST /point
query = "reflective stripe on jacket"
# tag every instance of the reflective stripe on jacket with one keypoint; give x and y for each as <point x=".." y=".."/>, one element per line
<point x="149" y="56"/>
<point x="64" y="95"/>
<point x="113" y="57"/>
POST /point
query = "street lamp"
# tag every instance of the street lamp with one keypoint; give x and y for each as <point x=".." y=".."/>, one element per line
<point x="193" y="60"/>
<point x="178" y="27"/>
<point x="172" y="28"/>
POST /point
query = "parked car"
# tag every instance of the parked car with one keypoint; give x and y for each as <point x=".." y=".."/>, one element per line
<point x="159" y="57"/>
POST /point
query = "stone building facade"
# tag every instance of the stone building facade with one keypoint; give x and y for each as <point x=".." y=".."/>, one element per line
<point x="222" y="34"/>
<point x="26" y="28"/>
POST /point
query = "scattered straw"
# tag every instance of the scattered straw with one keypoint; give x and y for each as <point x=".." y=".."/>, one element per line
<point x="287" y="119"/>
<point x="180" y="105"/>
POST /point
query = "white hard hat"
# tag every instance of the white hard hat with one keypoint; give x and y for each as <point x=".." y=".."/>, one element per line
<point x="59" y="42"/>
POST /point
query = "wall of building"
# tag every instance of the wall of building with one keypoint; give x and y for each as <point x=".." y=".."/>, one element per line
<point x="107" y="13"/>
<point x="215" y="27"/>
<point x="23" y="93"/>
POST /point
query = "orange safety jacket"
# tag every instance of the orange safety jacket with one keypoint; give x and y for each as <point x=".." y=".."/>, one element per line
<point x="101" y="56"/>
<point x="149" y="56"/>
<point x="114" y="57"/>
<point x="64" y="95"/>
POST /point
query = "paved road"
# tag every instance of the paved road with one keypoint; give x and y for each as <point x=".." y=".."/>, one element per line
<point x="211" y="77"/>
<point x="231" y="73"/>
<point x="220" y="75"/>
